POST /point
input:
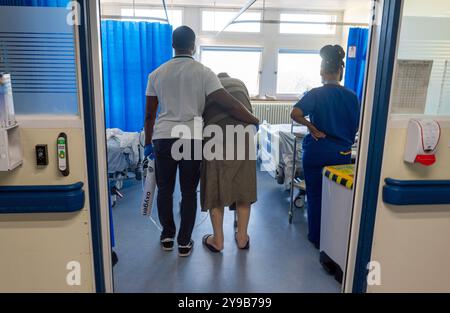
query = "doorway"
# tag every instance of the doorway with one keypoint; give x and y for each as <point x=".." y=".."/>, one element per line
<point x="142" y="266"/>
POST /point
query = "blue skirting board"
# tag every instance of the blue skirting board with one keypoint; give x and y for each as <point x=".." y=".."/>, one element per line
<point x="41" y="199"/>
<point x="416" y="192"/>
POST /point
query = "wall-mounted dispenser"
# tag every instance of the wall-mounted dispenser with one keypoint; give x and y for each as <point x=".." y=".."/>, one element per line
<point x="10" y="143"/>
<point x="7" y="116"/>
<point x="63" y="154"/>
<point x="422" y="141"/>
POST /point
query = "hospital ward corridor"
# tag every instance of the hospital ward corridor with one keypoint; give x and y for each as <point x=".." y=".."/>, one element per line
<point x="280" y="253"/>
<point x="284" y="249"/>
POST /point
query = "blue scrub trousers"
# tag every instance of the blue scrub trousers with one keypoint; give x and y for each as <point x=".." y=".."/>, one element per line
<point x="317" y="155"/>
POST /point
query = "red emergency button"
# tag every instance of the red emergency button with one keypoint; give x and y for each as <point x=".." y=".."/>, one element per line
<point x="426" y="159"/>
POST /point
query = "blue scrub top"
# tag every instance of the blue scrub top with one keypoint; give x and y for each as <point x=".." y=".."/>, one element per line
<point x="334" y="110"/>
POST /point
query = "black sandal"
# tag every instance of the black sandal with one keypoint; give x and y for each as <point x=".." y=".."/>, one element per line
<point x="247" y="246"/>
<point x="208" y="245"/>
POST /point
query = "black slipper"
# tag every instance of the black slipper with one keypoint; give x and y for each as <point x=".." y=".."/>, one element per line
<point x="247" y="246"/>
<point x="209" y="246"/>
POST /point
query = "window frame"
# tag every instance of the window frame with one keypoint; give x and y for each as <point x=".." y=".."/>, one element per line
<point x="289" y="51"/>
<point x="330" y="13"/>
<point x="182" y="9"/>
<point x="202" y="48"/>
<point x="218" y="10"/>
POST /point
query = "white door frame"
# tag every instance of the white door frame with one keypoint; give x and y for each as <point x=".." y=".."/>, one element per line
<point x="91" y="58"/>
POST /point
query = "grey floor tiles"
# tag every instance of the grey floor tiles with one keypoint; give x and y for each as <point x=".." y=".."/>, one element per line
<point x="280" y="258"/>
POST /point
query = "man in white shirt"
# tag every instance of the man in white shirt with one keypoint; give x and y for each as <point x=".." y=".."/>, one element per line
<point x="181" y="88"/>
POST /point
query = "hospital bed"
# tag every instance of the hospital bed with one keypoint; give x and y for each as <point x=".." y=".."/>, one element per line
<point x="296" y="181"/>
<point x="125" y="156"/>
<point x="279" y="145"/>
<point x="276" y="150"/>
<point x="280" y="154"/>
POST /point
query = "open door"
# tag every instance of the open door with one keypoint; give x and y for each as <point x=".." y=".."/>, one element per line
<point x="51" y="205"/>
<point x="402" y="200"/>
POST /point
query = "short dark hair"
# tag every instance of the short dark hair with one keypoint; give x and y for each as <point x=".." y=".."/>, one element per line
<point x="183" y="38"/>
<point x="332" y="58"/>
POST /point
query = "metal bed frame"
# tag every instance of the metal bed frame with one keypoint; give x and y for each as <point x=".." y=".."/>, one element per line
<point x="298" y="201"/>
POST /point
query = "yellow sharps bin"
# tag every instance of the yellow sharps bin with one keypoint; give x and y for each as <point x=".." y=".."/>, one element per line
<point x="337" y="199"/>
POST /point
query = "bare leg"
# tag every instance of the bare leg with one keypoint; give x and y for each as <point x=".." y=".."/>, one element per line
<point x="243" y="217"/>
<point x="217" y="239"/>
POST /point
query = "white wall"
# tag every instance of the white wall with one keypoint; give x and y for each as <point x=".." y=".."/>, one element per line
<point x="430" y="8"/>
<point x="360" y="13"/>
<point x="36" y="248"/>
<point x="424" y="38"/>
<point x="411" y="242"/>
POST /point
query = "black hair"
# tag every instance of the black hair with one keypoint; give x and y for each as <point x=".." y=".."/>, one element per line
<point x="183" y="38"/>
<point x="332" y="59"/>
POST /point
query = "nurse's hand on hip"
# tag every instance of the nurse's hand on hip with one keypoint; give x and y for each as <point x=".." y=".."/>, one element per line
<point x="315" y="133"/>
<point x="148" y="152"/>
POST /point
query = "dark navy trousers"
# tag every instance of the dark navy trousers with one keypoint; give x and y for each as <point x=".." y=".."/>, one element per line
<point x="317" y="155"/>
<point x="166" y="174"/>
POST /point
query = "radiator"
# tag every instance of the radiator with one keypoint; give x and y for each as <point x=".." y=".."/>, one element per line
<point x="273" y="112"/>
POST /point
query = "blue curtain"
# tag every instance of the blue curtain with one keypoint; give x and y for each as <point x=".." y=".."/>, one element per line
<point x="131" y="51"/>
<point x="35" y="3"/>
<point x="356" y="60"/>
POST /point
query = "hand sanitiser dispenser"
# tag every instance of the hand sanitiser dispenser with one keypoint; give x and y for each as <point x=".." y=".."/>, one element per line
<point x="7" y="117"/>
<point x="10" y="143"/>
<point x="422" y="141"/>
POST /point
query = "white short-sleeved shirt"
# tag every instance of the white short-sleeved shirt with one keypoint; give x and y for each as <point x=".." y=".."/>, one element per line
<point x="181" y="85"/>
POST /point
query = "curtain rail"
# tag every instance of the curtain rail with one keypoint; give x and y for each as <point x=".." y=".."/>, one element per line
<point x="121" y="17"/>
<point x="165" y="10"/>
<point x="242" y="11"/>
<point x="299" y="22"/>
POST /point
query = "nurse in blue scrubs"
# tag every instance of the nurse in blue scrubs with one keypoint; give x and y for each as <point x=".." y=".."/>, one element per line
<point x="333" y="112"/>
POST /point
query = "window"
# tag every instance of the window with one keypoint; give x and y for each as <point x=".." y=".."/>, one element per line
<point x="216" y="21"/>
<point x="316" y="29"/>
<point x="41" y="61"/>
<point x="241" y="63"/>
<point x="175" y="16"/>
<point x="298" y="72"/>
